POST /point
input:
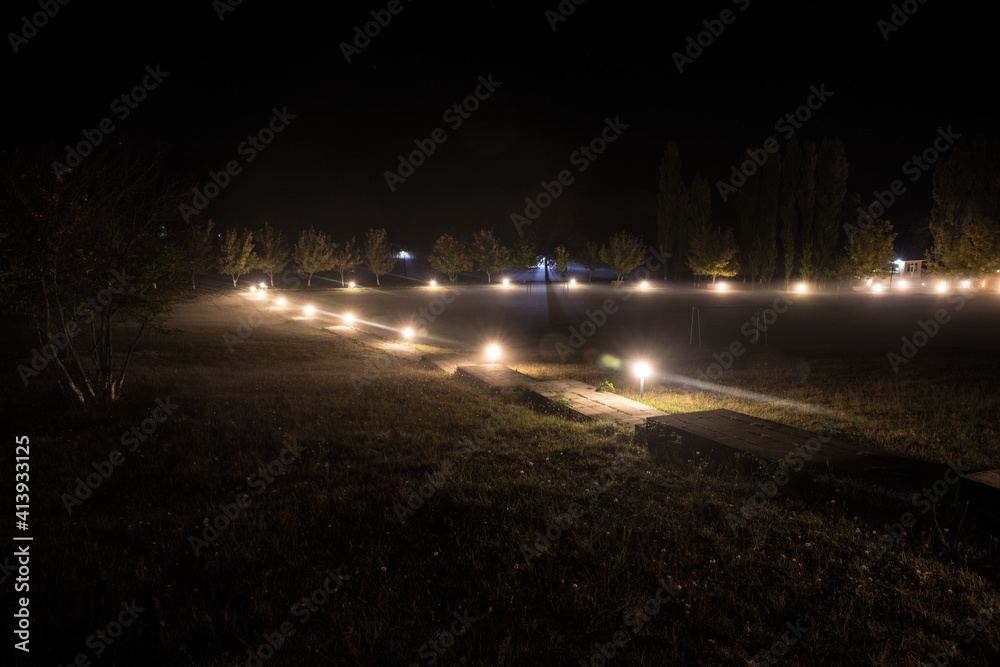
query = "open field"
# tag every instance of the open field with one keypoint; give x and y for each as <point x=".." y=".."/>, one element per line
<point x="622" y="528"/>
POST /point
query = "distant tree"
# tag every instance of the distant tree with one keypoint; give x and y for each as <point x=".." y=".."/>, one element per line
<point x="377" y="254"/>
<point x="273" y="251"/>
<point x="623" y="253"/>
<point x="805" y="199"/>
<point x="713" y="253"/>
<point x="311" y="254"/>
<point x="672" y="217"/>
<point x="345" y="258"/>
<point x="870" y="251"/>
<point x="591" y="258"/>
<point x="198" y="248"/>
<point x="450" y="256"/>
<point x="236" y="256"/>
<point x="788" y="228"/>
<point x="524" y="257"/>
<point x="488" y="254"/>
<point x="831" y="188"/>
<point x="561" y="259"/>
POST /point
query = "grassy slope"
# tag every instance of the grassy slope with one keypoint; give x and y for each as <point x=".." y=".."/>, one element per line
<point x="333" y="508"/>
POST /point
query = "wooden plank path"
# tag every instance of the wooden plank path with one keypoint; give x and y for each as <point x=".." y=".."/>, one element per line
<point x="720" y="432"/>
<point x="725" y="431"/>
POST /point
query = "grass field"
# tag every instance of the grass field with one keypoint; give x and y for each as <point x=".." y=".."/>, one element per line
<point x="549" y="541"/>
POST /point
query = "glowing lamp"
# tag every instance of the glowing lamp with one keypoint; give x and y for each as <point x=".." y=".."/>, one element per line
<point x="506" y="281"/>
<point x="642" y="370"/>
<point x="351" y="284"/>
<point x="494" y="352"/>
<point x="263" y="285"/>
<point x="281" y="301"/>
<point x="644" y="285"/>
<point x="407" y="334"/>
<point x="434" y="283"/>
<point x="942" y="287"/>
<point x="878" y="287"/>
<point x="801" y="288"/>
<point x="348" y="319"/>
<point x="253" y="288"/>
<point x="309" y="311"/>
<point x="722" y="287"/>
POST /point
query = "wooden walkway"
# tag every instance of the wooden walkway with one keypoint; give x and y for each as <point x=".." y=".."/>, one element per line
<point x="711" y="432"/>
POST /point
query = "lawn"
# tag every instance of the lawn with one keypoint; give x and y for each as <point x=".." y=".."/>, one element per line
<point x="413" y="519"/>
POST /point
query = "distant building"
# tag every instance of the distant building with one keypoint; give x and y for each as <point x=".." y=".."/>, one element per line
<point x="910" y="268"/>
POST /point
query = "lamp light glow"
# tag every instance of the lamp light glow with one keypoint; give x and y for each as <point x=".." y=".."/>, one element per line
<point x="434" y="283"/>
<point x="644" y="285"/>
<point x="348" y="319"/>
<point x="878" y="287"/>
<point x="280" y="301"/>
<point x="722" y="287"/>
<point x="942" y="287"/>
<point x="407" y="334"/>
<point x="253" y="288"/>
<point x="506" y="281"/>
<point x="263" y="285"/>
<point x="309" y="310"/>
<point x="494" y="352"/>
<point x="351" y="284"/>
<point x="642" y="370"/>
<point x="801" y="288"/>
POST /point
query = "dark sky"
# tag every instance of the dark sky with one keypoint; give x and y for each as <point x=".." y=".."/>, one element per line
<point x="556" y="88"/>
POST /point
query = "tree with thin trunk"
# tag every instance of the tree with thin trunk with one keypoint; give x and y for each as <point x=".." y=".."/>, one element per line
<point x="623" y="253"/>
<point x="273" y="255"/>
<point x="346" y="258"/>
<point x="524" y="258"/>
<point x="312" y="254"/>
<point x="713" y="253"/>
<point x="450" y="256"/>
<point x="236" y="256"/>
<point x="488" y="254"/>
<point x="562" y="259"/>
<point x="870" y="251"/>
<point x="378" y="254"/>
<point x="198" y="248"/>
<point x="591" y="258"/>
<point x="91" y="260"/>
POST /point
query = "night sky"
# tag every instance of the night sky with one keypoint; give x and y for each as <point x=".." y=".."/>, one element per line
<point x="556" y="88"/>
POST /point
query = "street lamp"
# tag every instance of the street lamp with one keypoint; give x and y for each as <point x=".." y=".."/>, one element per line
<point x="642" y="370"/>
